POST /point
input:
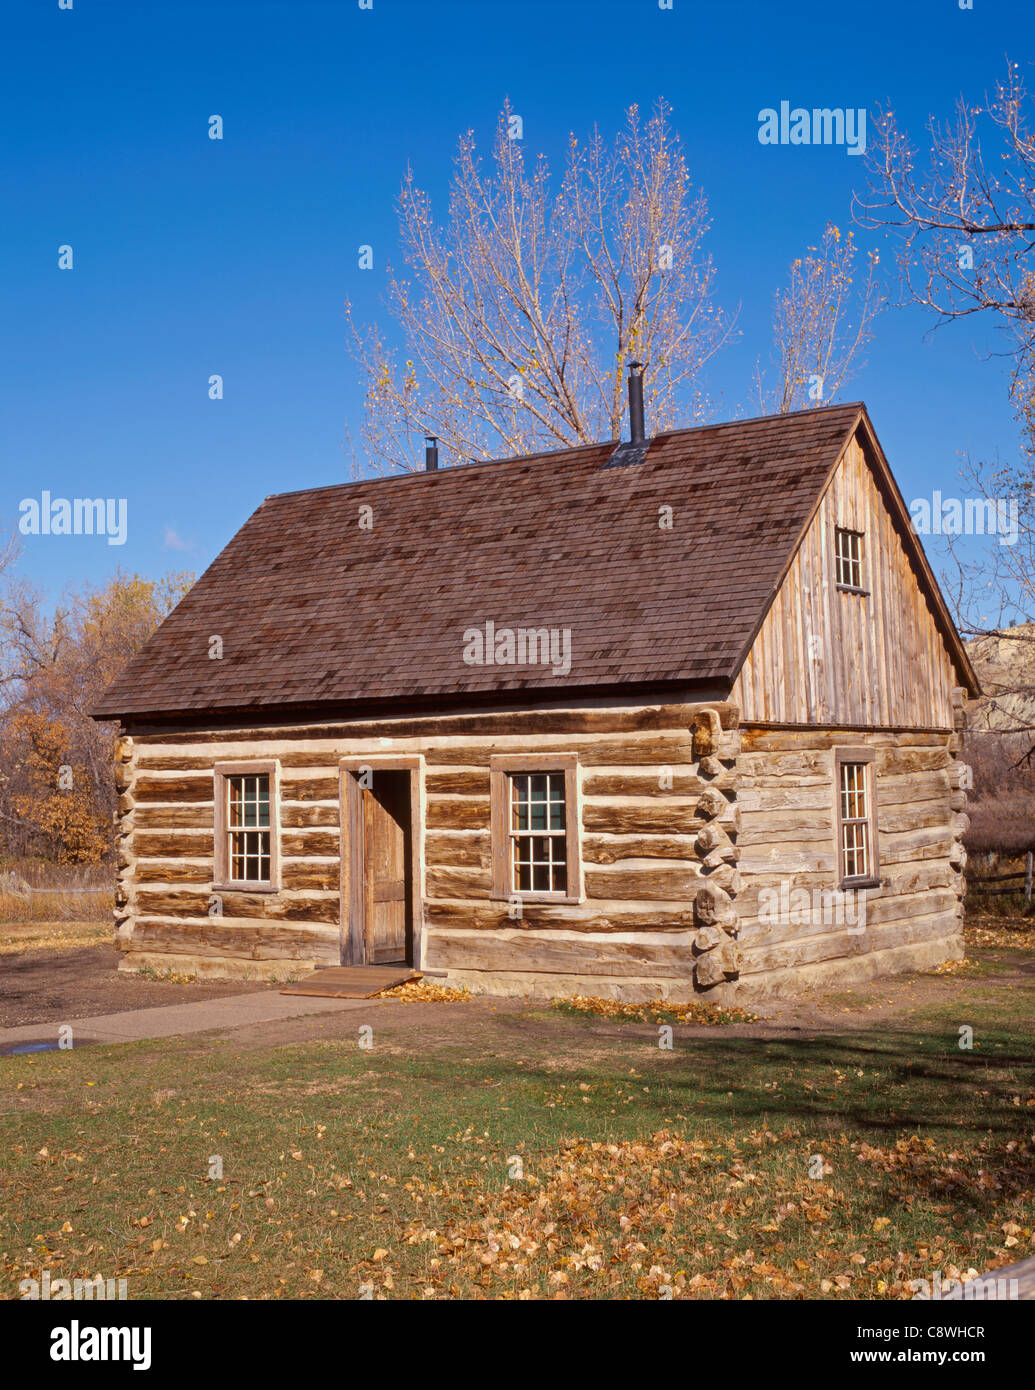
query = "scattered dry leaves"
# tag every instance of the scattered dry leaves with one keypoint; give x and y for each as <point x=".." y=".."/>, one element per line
<point x="655" y="1011"/>
<point x="424" y="992"/>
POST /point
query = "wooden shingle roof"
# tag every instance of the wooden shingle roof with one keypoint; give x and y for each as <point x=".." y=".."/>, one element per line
<point x="314" y="610"/>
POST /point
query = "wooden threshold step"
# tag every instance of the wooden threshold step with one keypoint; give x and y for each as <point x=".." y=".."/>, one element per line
<point x="352" y="981"/>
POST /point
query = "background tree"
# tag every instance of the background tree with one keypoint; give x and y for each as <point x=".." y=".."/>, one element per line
<point x="524" y="308"/>
<point x="57" y="792"/>
<point x="963" y="212"/>
<point x="821" y="323"/>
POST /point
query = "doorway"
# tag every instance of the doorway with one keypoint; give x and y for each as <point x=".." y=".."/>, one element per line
<point x="380" y="864"/>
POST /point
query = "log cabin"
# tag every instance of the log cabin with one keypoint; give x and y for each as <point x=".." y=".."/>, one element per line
<point x="672" y="717"/>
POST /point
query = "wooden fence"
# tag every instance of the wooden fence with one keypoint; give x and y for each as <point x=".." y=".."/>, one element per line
<point x="983" y="885"/>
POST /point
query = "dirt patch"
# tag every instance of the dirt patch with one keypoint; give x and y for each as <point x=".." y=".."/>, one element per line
<point x="487" y="1026"/>
<point x="56" y="986"/>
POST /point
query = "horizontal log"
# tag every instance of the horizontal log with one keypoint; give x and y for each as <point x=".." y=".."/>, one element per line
<point x="839" y="944"/>
<point x="915" y="816"/>
<point x="895" y="878"/>
<point x="160" y="844"/>
<point x="757" y="832"/>
<point x="896" y="846"/>
<point x="636" y="885"/>
<point x="457" y="883"/>
<point x="788" y="859"/>
<point x="618" y="719"/>
<point x="297" y="874"/>
<point x="595" y="916"/>
<point x="756" y="822"/>
<point x="302" y="817"/>
<point x="781" y="768"/>
<point x="641" y="817"/>
<point x="872" y="907"/>
<point x="192" y="833"/>
<point x="252" y="941"/>
<point x="903" y="907"/>
<point x="448" y="849"/>
<point x="303" y="789"/>
<point x="171" y="871"/>
<point x="816" y="793"/>
<point x="663" y="781"/>
<point x="172" y="790"/>
<point x="673" y="749"/>
<point x="549" y="953"/>
<point x="641" y="885"/>
<point x="270" y="907"/>
<point x="177" y="762"/>
<point x="755" y="739"/>
<point x="461" y="783"/>
<point x="597" y="850"/>
<point x="174" y="818"/>
<point x="457" y="813"/>
<point x="299" y="844"/>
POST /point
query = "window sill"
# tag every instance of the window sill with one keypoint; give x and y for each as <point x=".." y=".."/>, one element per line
<point x="558" y="899"/>
<point x="246" y="888"/>
<point x="848" y="883"/>
<point x="852" y="589"/>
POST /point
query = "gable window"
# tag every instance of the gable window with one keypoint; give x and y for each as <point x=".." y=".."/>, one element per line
<point x="534" y="816"/>
<point x="246" y="830"/>
<point x="856" y="818"/>
<point x="849" y="558"/>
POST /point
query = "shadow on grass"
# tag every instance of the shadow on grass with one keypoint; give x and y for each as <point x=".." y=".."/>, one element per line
<point x="961" y="1100"/>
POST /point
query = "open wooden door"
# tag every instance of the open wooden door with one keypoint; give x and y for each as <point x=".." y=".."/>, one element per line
<point x="387" y="862"/>
<point x="380" y="902"/>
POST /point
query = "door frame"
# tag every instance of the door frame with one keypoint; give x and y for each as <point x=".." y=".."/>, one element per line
<point x="353" y="894"/>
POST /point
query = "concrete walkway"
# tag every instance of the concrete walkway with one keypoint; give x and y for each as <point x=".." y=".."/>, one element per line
<point x="176" y="1020"/>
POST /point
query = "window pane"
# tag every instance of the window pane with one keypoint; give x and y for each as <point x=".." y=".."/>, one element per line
<point x="853" y="791"/>
<point x="849" y="557"/>
<point x="248" y="826"/>
<point x="855" y="825"/>
<point x="519" y="802"/>
<point x="855" y="849"/>
<point x="538" y="859"/>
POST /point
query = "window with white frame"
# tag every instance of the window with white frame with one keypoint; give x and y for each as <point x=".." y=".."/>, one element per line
<point x="537" y="833"/>
<point x="849" y="558"/>
<point x="246" y="825"/>
<point x="534" y="816"/>
<point x="856" y="818"/>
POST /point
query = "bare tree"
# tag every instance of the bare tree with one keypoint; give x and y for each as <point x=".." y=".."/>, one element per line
<point x="993" y="594"/>
<point x="525" y="307"/>
<point x="822" y="322"/>
<point x="965" y="216"/>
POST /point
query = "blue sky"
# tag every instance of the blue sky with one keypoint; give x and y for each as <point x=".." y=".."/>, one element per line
<point x="194" y="256"/>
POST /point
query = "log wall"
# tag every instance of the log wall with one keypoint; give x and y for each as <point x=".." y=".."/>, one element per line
<point x="685" y="818"/>
<point x="659" y="823"/>
<point x="788" y="844"/>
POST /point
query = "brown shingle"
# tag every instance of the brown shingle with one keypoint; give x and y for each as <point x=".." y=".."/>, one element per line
<point x="313" y="610"/>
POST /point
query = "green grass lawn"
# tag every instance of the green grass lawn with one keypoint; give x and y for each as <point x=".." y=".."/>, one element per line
<point x="540" y="1157"/>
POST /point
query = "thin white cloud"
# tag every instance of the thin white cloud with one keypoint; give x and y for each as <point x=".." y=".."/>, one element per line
<point x="172" y="540"/>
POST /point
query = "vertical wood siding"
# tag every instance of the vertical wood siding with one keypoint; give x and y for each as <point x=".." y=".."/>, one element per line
<point x="823" y="656"/>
